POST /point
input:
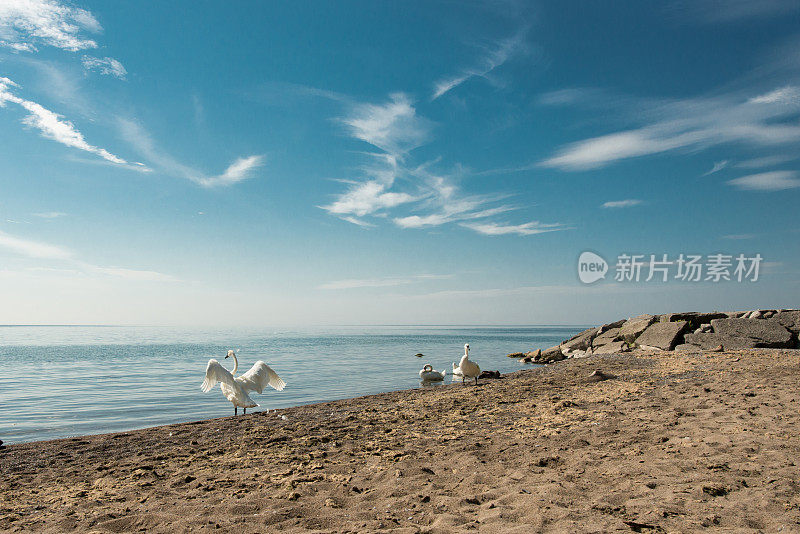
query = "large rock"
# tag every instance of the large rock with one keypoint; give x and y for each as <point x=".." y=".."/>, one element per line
<point x="695" y="319"/>
<point x="765" y="333"/>
<point x="712" y="340"/>
<point x="789" y="319"/>
<point x="553" y="354"/>
<point x="662" y="336"/>
<point x="635" y="326"/>
<point x="615" y="347"/>
<point x="609" y="326"/>
<point x="606" y="337"/>
<point x="581" y="341"/>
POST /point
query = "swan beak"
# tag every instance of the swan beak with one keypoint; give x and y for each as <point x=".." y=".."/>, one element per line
<point x="226" y="356"/>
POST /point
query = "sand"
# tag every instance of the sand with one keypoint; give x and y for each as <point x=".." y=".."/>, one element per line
<point x="673" y="443"/>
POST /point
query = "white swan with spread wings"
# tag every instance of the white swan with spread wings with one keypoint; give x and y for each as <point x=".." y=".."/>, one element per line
<point x="235" y="388"/>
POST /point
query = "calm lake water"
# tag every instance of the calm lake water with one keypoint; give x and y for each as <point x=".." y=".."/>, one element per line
<point x="60" y="381"/>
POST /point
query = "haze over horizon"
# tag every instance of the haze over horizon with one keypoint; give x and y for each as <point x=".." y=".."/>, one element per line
<point x="361" y="163"/>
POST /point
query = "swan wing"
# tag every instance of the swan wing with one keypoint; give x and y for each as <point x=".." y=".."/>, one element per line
<point x="260" y="376"/>
<point x="216" y="373"/>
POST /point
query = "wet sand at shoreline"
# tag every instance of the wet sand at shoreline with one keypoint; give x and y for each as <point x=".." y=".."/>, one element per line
<point x="674" y="443"/>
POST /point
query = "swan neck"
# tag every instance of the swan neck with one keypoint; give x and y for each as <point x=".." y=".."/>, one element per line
<point x="235" y="365"/>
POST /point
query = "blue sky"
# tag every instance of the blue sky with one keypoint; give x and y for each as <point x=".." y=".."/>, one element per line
<point x="240" y="163"/>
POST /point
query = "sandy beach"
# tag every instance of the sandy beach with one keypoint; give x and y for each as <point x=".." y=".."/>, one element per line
<point x="673" y="442"/>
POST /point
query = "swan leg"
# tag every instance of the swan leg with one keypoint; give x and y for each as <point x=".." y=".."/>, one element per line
<point x="476" y="380"/>
<point x="235" y="410"/>
<point x="245" y="410"/>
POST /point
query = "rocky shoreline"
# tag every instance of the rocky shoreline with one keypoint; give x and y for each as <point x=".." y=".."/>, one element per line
<point x="688" y="331"/>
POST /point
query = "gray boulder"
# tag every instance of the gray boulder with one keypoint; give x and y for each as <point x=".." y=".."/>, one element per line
<point x="581" y="341"/>
<point x="694" y="318"/>
<point x="615" y="347"/>
<point x="789" y="319"/>
<point x="606" y="337"/>
<point x="662" y="336"/>
<point x="553" y="354"/>
<point x="609" y="326"/>
<point x="635" y="326"/>
<point x="711" y="340"/>
<point x="765" y="333"/>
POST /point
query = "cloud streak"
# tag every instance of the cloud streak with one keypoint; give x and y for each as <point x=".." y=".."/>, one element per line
<point x="501" y="53"/>
<point x="529" y="228"/>
<point x="763" y="120"/>
<point x="381" y="282"/>
<point x="44" y="251"/>
<point x="25" y="23"/>
<point x="767" y="181"/>
<point x="628" y="203"/>
<point x="53" y="126"/>
<point x="394" y="126"/>
<point x="106" y="65"/>
<point x="241" y="169"/>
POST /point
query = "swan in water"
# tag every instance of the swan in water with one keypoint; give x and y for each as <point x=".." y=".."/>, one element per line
<point x="235" y="388"/>
<point x="467" y="368"/>
<point x="429" y="374"/>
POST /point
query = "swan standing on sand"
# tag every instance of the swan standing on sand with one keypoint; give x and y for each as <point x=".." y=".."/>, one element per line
<point x="467" y="368"/>
<point x="235" y="388"/>
<point x="429" y="374"/>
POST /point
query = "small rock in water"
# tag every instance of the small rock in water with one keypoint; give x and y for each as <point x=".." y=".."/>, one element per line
<point x="419" y="355"/>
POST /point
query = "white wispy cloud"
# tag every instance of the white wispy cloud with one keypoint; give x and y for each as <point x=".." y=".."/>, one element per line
<point x="19" y="47"/>
<point x="33" y="249"/>
<point x="241" y="169"/>
<point x="372" y="193"/>
<point x="499" y="54"/>
<point x="529" y="228"/>
<point x="766" y="161"/>
<point x="447" y="204"/>
<point x="381" y="282"/>
<point x="366" y="198"/>
<point x="105" y="65"/>
<point x="784" y="95"/>
<point x="738" y="237"/>
<point x="767" y="181"/>
<point x="764" y="120"/>
<point x="49" y="214"/>
<point x="51" y="125"/>
<point x="718" y="166"/>
<point x="394" y="126"/>
<point x="44" y="251"/>
<point x="729" y="11"/>
<point x="622" y="203"/>
<point x="26" y="23"/>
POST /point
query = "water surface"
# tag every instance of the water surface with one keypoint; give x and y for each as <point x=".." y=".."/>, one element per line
<point x="59" y="381"/>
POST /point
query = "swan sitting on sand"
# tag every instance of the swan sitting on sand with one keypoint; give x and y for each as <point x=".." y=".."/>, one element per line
<point x="429" y="374"/>
<point x="235" y="388"/>
<point x="468" y="368"/>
